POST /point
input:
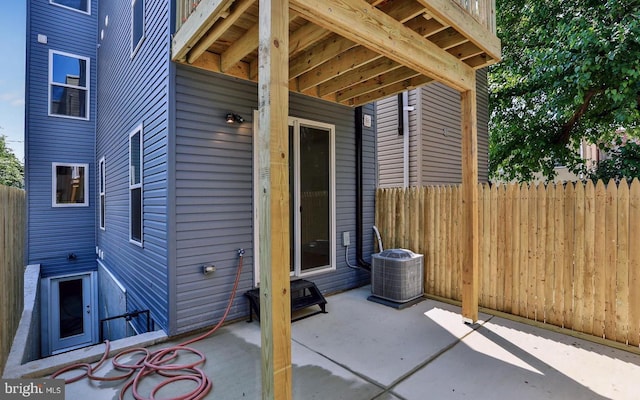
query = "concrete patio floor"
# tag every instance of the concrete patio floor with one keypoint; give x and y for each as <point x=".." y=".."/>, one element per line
<point x="364" y="350"/>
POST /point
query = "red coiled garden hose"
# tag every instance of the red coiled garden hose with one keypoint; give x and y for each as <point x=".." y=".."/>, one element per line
<point x="158" y="362"/>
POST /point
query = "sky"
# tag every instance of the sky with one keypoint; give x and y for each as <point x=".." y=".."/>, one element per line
<point x="12" y="71"/>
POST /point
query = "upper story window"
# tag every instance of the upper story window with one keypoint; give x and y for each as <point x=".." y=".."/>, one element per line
<point x="68" y="85"/>
<point x="79" y="5"/>
<point x="70" y="185"/>
<point x="102" y="191"/>
<point x="137" y="25"/>
<point x="135" y="186"/>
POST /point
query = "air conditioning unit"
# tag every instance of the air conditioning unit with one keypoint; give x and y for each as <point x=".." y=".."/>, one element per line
<point x="397" y="275"/>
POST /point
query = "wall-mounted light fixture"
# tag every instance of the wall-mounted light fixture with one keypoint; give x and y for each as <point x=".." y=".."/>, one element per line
<point x="233" y="117"/>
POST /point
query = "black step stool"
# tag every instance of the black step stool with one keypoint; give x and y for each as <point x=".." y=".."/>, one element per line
<point x="303" y="294"/>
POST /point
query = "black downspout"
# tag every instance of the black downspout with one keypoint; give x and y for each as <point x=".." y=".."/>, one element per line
<point x="400" y="115"/>
<point x="359" y="189"/>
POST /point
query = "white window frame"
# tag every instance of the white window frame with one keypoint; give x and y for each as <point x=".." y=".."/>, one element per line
<point x="54" y="183"/>
<point x="136" y="46"/>
<point x="88" y="12"/>
<point x="138" y="129"/>
<point x="86" y="89"/>
<point x="102" y="189"/>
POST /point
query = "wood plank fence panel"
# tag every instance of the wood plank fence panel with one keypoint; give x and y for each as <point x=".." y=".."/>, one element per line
<point x="12" y="242"/>
<point x="559" y="254"/>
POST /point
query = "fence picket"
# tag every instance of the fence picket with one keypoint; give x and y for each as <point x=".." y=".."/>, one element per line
<point x="541" y="241"/>
<point x="578" y="267"/>
<point x="589" y="258"/>
<point x="524" y="248"/>
<point x="497" y="231"/>
<point x="569" y="213"/>
<point x="634" y="264"/>
<point x="507" y="259"/>
<point x="431" y="246"/>
<point x="557" y="307"/>
<point x="549" y="255"/>
<point x="600" y="259"/>
<point x="611" y="237"/>
<point x="532" y="249"/>
<point x="484" y="253"/>
<point x="515" y="231"/>
<point x="622" y="269"/>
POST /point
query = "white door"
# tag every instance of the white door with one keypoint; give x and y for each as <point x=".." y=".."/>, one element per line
<point x="312" y="198"/>
<point x="72" y="312"/>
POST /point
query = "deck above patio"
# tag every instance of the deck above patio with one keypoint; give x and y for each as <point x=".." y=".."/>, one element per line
<point x="347" y="51"/>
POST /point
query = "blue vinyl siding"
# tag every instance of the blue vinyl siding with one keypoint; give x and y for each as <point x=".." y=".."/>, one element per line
<point x="54" y="233"/>
<point x="213" y="197"/>
<point x="134" y="91"/>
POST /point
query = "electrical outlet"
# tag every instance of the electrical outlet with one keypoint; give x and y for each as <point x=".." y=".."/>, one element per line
<point x="346" y="240"/>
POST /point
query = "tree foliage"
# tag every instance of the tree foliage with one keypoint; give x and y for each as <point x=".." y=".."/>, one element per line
<point x="11" y="169"/>
<point x="623" y="161"/>
<point x="570" y="71"/>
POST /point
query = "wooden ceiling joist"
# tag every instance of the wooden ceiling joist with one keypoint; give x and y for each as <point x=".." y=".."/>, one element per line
<point x="451" y="14"/>
<point x="196" y="26"/>
<point x="358" y="21"/>
<point x="344" y="51"/>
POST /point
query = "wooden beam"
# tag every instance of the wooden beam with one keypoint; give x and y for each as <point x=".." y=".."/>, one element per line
<point x="211" y="62"/>
<point x="342" y="64"/>
<point x="306" y="36"/>
<point x="198" y="23"/>
<point x="465" y="50"/>
<point x="447" y="38"/>
<point x="240" y="48"/>
<point x="273" y="204"/>
<point x="370" y="85"/>
<point x="362" y="23"/>
<point x="450" y="13"/>
<point x="386" y="91"/>
<point x="469" y="238"/>
<point x="219" y="27"/>
<point x="368" y="71"/>
<point x="318" y="54"/>
<point x="336" y="63"/>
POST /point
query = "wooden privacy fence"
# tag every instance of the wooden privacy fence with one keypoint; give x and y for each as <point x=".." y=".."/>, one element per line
<point x="567" y="255"/>
<point x="12" y="238"/>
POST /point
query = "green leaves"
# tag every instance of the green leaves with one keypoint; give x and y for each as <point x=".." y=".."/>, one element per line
<point x="11" y="169"/>
<point x="570" y="71"/>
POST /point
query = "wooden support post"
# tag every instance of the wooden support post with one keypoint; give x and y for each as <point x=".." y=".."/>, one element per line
<point x="469" y="206"/>
<point x="273" y="207"/>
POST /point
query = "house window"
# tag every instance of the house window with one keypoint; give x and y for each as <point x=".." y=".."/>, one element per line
<point x="70" y="185"/>
<point x="135" y="186"/>
<point x="79" y="5"/>
<point x="137" y="25"/>
<point x="68" y="85"/>
<point x="101" y="186"/>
